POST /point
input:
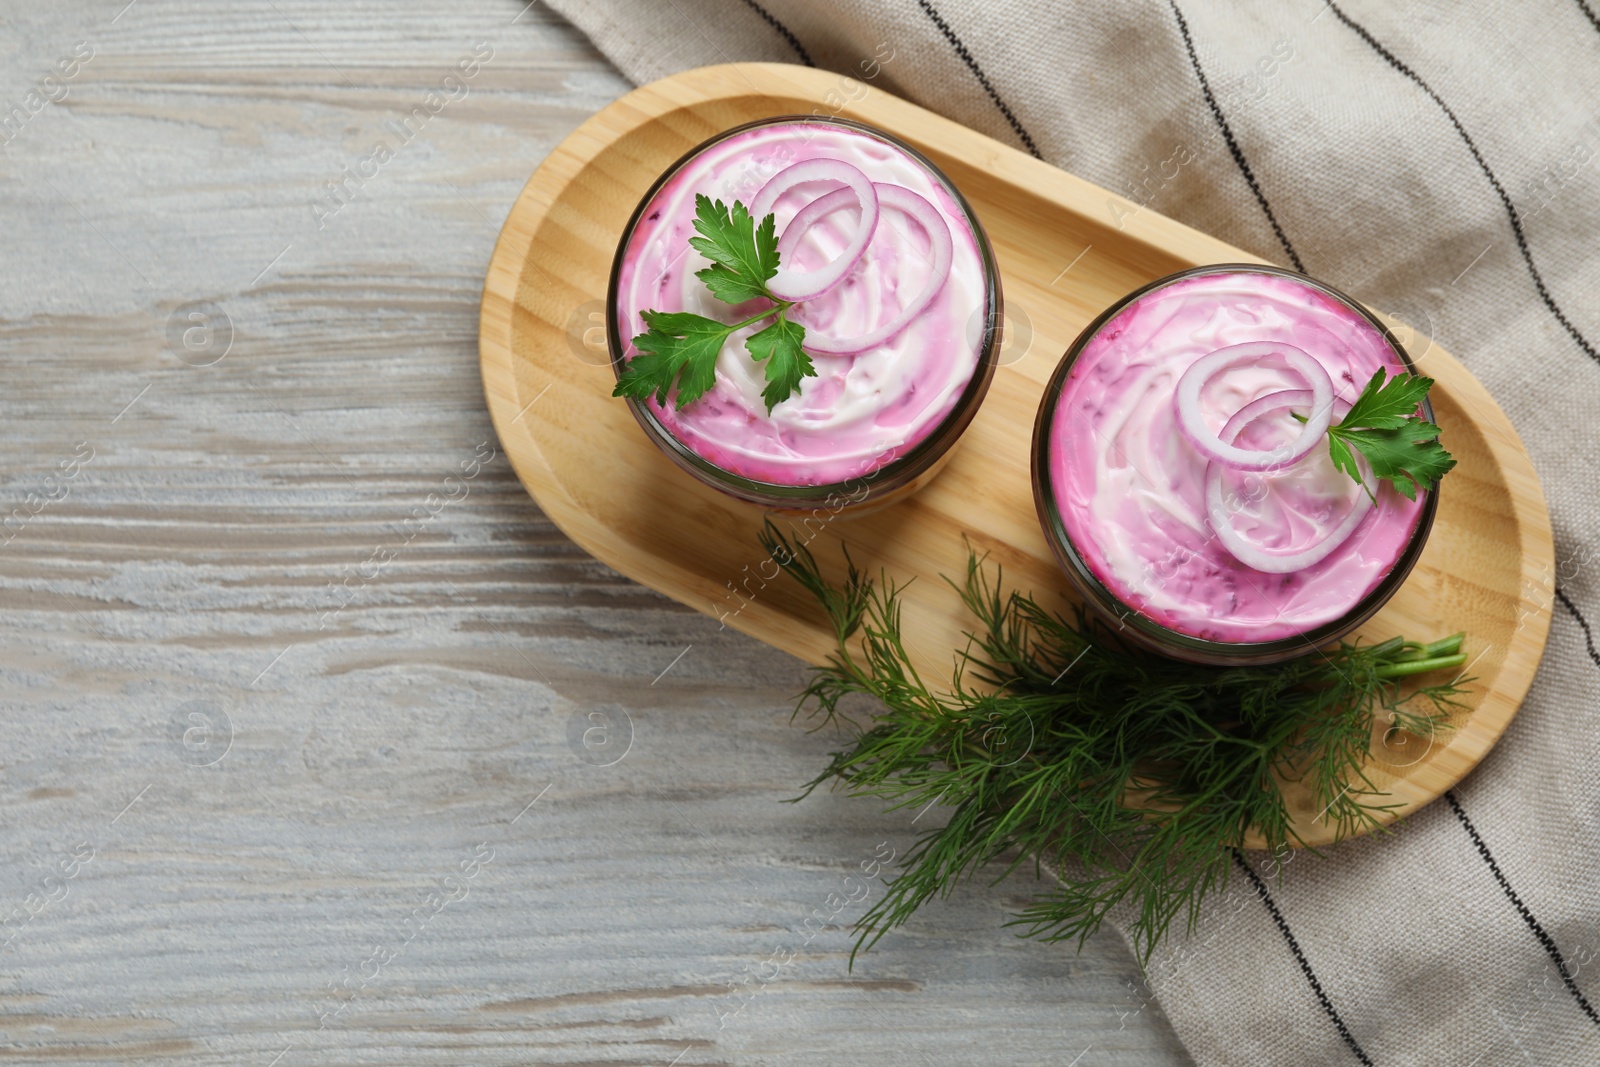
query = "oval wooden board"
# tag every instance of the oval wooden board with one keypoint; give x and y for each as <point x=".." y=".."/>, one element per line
<point x="1064" y="257"/>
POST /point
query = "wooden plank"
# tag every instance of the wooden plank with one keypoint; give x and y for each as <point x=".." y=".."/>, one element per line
<point x="375" y="737"/>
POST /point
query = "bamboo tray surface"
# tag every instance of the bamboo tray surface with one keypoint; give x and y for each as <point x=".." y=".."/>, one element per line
<point x="1064" y="257"/>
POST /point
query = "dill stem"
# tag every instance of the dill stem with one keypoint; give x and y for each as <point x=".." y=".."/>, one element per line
<point x="1445" y="646"/>
<point x="1384" y="648"/>
<point x="1408" y="667"/>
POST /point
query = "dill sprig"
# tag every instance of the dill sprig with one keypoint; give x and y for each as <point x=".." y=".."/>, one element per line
<point x="1132" y="777"/>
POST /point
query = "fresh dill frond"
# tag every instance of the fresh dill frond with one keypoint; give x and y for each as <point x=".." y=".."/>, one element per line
<point x="1130" y="776"/>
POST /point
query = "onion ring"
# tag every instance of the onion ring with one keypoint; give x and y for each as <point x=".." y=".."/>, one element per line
<point x="941" y="247"/>
<point x="795" y="285"/>
<point x="1219" y="449"/>
<point x="1250" y="554"/>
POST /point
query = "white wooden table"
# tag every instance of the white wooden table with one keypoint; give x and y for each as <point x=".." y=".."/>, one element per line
<point x="297" y="679"/>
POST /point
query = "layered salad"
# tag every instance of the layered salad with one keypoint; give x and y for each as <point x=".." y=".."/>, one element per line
<point x="805" y="302"/>
<point x="1240" y="455"/>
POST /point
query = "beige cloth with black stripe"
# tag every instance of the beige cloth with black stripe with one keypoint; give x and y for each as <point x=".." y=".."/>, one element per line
<point x="1340" y="156"/>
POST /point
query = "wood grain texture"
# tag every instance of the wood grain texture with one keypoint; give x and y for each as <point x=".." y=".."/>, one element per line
<point x="277" y="709"/>
<point x="1065" y="253"/>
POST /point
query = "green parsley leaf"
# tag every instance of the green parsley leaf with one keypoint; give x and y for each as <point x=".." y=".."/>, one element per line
<point x="1409" y="457"/>
<point x="786" y="362"/>
<point x="1382" y="425"/>
<point x="676" y="343"/>
<point x="1345" y="460"/>
<point x="743" y="257"/>
<point x="1388" y="405"/>
<point x="681" y="348"/>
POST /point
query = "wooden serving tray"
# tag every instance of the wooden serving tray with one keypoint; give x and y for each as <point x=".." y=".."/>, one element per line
<point x="1064" y="257"/>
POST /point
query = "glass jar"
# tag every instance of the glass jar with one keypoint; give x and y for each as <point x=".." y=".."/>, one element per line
<point x="1116" y="490"/>
<point x="889" y="439"/>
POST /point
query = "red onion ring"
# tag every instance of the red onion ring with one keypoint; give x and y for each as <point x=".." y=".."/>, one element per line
<point x="1219" y="449"/>
<point x="1250" y="554"/>
<point x="941" y="247"/>
<point x="805" y="285"/>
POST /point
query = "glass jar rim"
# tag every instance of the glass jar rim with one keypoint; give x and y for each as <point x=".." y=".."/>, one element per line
<point x="900" y="469"/>
<point x="1147" y="630"/>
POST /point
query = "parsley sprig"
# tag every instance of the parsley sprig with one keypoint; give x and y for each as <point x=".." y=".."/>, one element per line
<point x="1401" y="446"/>
<point x="680" y="347"/>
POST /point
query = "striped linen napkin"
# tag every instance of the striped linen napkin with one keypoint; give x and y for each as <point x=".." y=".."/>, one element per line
<point x="1437" y="160"/>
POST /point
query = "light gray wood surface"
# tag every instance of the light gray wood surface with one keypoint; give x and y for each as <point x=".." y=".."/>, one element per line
<point x="293" y="757"/>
